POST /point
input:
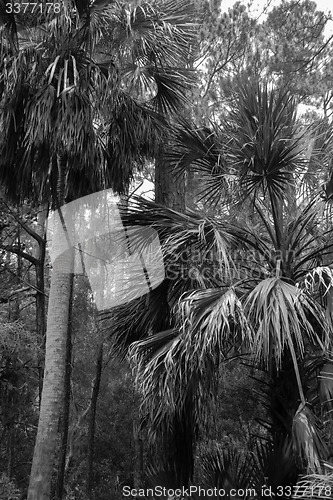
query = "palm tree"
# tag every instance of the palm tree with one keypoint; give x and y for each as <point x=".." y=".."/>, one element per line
<point x="153" y="317"/>
<point x="70" y="126"/>
<point x="260" y="284"/>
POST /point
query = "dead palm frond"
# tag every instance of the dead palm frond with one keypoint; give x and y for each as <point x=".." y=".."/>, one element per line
<point x="308" y="442"/>
<point x="317" y="486"/>
<point x="62" y="91"/>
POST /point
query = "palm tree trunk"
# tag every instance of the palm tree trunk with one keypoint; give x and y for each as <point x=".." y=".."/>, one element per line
<point x="64" y="420"/>
<point x="169" y="190"/>
<point x="53" y="386"/>
<point x="55" y="358"/>
<point x="66" y="408"/>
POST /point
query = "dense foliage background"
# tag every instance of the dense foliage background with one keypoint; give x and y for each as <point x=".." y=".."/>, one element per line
<point x="221" y="376"/>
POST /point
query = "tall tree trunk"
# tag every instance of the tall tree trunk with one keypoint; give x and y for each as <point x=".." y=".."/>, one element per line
<point x="53" y="386"/>
<point x="92" y="420"/>
<point x="55" y="359"/>
<point x="178" y="453"/>
<point x="66" y="407"/>
<point x="169" y="189"/>
<point x="40" y="294"/>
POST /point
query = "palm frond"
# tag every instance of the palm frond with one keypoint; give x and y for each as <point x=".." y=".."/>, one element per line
<point x="137" y="319"/>
<point x="277" y="450"/>
<point x="301" y="224"/>
<point x="317" y="486"/>
<point x="9" y="24"/>
<point x="191" y="246"/>
<point x="308" y="443"/>
<point x="201" y="149"/>
<point x="189" y="236"/>
<point x="175" y="399"/>
<point x="265" y="147"/>
<point x="326" y="388"/>
<point x="278" y="312"/>
<point x="171" y="84"/>
<point x="170" y="28"/>
<point x="213" y="319"/>
<point x="57" y="97"/>
<point x="133" y="134"/>
<point x="229" y="470"/>
<point x="320" y="279"/>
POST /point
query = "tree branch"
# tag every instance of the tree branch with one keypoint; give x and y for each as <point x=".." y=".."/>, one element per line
<point x="24" y="226"/>
<point x="18" y="251"/>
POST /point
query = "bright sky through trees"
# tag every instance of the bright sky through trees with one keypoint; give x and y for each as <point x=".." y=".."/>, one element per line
<point x="258" y="7"/>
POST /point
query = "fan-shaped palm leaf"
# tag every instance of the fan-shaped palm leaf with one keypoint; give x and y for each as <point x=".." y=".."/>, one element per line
<point x="202" y="150"/>
<point x="191" y="245"/>
<point x="212" y="319"/>
<point x="266" y="146"/>
<point x="278" y="313"/>
<point x="277" y="450"/>
<point x="229" y="471"/>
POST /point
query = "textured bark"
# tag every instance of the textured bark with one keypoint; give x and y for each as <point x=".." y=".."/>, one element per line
<point x="53" y="386"/>
<point x="40" y="321"/>
<point x="55" y="358"/>
<point x="179" y="447"/>
<point x="66" y="405"/>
